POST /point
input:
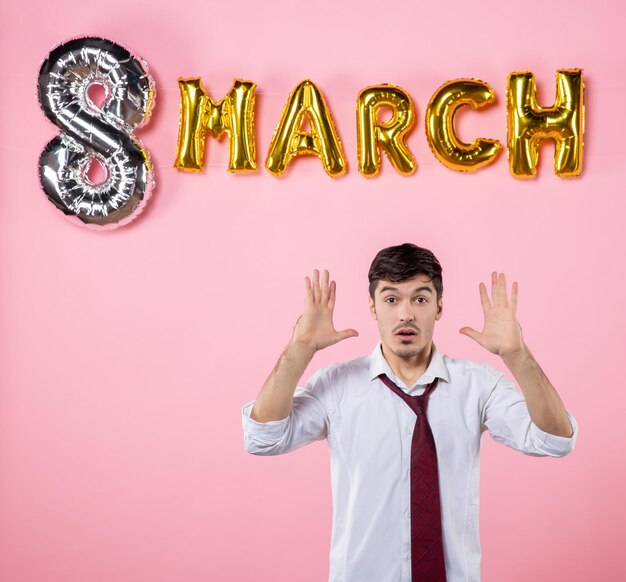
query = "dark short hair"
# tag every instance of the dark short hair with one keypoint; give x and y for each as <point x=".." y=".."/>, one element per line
<point x="404" y="262"/>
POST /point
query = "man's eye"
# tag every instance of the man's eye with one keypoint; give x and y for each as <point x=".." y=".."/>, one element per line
<point x="421" y="299"/>
<point x="390" y="300"/>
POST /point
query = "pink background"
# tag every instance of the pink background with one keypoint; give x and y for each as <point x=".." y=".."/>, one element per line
<point x="126" y="356"/>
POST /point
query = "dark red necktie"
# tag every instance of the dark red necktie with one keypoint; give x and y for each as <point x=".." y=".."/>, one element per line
<point x="427" y="562"/>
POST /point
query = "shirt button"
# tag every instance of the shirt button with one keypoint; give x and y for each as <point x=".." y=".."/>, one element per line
<point x="409" y="430"/>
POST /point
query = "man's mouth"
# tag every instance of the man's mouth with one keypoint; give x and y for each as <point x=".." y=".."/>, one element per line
<point x="406" y="333"/>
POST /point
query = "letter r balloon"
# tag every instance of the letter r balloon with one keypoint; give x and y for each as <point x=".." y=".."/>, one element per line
<point x="390" y="135"/>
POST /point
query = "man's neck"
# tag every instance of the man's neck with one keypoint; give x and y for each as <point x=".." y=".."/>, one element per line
<point x="411" y="368"/>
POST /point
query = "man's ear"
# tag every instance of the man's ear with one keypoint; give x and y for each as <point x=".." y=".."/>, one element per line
<point x="439" y="309"/>
<point x="372" y="307"/>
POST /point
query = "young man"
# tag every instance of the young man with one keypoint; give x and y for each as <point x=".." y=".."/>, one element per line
<point x="404" y="423"/>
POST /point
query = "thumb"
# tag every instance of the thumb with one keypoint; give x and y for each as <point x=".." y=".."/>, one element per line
<point x="346" y="333"/>
<point x="470" y="332"/>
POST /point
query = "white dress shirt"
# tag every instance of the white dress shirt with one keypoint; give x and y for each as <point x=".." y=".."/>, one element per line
<point x="369" y="431"/>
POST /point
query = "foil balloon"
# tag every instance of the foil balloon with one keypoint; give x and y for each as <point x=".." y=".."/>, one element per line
<point x="290" y="140"/>
<point x="96" y="133"/>
<point x="389" y="135"/>
<point x="528" y="123"/>
<point x="233" y="116"/>
<point x="440" y="127"/>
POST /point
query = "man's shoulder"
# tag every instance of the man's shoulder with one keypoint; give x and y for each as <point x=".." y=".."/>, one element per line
<point x="461" y="367"/>
<point x="340" y="372"/>
<point x="358" y="365"/>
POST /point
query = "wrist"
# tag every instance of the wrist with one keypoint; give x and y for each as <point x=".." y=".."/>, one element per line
<point x="301" y="348"/>
<point x="516" y="358"/>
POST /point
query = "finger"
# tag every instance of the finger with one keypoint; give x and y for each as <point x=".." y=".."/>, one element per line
<point x="332" y="295"/>
<point x="325" y="288"/>
<point x="346" y="333"/>
<point x="308" y="292"/>
<point x="514" y="292"/>
<point x="503" y="290"/>
<point x="496" y="292"/>
<point x="470" y="332"/>
<point x="316" y="286"/>
<point x="484" y="297"/>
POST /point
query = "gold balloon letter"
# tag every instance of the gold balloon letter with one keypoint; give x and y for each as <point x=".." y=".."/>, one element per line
<point x="440" y="129"/>
<point x="390" y="134"/>
<point x="528" y="123"/>
<point x="233" y="115"/>
<point x="289" y="141"/>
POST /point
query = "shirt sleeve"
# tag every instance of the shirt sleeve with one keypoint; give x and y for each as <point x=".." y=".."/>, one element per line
<point x="307" y="422"/>
<point x="506" y="416"/>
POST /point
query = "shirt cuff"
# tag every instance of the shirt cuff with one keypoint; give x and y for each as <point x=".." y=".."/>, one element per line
<point x="552" y="444"/>
<point x="268" y="432"/>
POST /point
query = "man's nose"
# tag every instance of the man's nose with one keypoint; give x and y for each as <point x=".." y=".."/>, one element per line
<point x="406" y="313"/>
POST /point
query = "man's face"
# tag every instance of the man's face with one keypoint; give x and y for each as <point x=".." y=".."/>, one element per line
<point x="406" y="313"/>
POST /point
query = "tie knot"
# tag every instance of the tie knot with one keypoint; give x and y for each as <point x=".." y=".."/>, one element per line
<point x="416" y="403"/>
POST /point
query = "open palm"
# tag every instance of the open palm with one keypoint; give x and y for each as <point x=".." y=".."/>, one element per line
<point x="315" y="326"/>
<point x="501" y="332"/>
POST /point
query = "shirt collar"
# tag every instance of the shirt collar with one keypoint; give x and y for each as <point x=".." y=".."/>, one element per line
<point x="436" y="368"/>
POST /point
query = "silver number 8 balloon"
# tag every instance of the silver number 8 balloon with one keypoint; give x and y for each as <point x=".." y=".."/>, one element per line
<point x="92" y="132"/>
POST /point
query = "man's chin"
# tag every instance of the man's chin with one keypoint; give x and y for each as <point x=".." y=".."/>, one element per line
<point x="407" y="351"/>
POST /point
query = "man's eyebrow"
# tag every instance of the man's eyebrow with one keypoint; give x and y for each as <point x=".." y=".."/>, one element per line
<point x="418" y="289"/>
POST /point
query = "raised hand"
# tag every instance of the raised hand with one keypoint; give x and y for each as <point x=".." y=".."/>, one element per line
<point x="315" y="328"/>
<point x="501" y="333"/>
